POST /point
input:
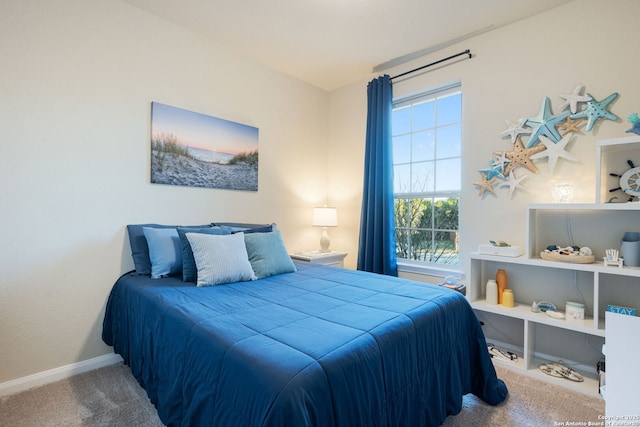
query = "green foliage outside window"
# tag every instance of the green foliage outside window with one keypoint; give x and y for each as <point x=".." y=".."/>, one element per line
<point x="427" y="229"/>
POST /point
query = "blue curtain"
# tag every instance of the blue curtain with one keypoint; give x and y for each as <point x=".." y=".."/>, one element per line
<point x="377" y="247"/>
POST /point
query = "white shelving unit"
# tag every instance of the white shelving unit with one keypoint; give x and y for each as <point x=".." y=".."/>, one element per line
<point x="536" y="337"/>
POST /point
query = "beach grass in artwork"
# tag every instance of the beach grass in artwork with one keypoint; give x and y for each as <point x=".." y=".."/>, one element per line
<point x="196" y="150"/>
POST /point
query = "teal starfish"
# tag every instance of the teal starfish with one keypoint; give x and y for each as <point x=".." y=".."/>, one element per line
<point x="545" y="123"/>
<point x="596" y="110"/>
<point x="493" y="171"/>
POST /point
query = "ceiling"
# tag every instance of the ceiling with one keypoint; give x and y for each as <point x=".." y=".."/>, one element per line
<point x="331" y="43"/>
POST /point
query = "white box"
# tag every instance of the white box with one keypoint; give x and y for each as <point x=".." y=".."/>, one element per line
<point x="510" y="251"/>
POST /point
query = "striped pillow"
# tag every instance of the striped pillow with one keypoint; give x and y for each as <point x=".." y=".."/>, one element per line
<point x="220" y="258"/>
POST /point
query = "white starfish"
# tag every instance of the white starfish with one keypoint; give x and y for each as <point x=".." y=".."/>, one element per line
<point x="571" y="100"/>
<point x="515" y="129"/>
<point x="501" y="160"/>
<point x="512" y="182"/>
<point x="555" y="150"/>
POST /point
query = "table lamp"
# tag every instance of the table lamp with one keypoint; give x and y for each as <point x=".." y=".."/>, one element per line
<point x="325" y="217"/>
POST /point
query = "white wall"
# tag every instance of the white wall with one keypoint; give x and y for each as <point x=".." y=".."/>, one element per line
<point x="512" y="70"/>
<point x="76" y="82"/>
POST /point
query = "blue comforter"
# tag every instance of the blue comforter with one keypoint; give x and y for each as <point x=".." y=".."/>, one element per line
<point x="319" y="347"/>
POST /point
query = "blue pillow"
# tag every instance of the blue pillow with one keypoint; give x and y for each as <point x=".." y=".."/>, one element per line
<point x="165" y="251"/>
<point x="189" y="269"/>
<point x="140" y="248"/>
<point x="265" y="229"/>
<point x="220" y="259"/>
<point x="267" y="254"/>
<point x="242" y="227"/>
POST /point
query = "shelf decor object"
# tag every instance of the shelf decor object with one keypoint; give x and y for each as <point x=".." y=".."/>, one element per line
<point x="574" y="310"/>
<point x="612" y="258"/>
<point x="621" y="310"/>
<point x="325" y="217"/>
<point x="501" y="280"/>
<point x="616" y="175"/>
<point x="508" y="299"/>
<point x="574" y="259"/>
<point x="510" y="251"/>
<point x="492" y="292"/>
<point x="630" y="248"/>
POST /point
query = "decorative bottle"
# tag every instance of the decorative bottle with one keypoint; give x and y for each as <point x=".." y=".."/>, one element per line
<point x="501" y="280"/>
<point x="492" y="292"/>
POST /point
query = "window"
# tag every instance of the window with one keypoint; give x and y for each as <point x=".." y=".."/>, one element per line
<point x="427" y="134"/>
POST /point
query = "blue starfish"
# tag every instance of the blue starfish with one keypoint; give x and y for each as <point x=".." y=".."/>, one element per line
<point x="493" y="171"/>
<point x="545" y="123"/>
<point x="596" y="110"/>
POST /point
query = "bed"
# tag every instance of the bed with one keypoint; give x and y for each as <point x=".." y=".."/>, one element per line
<point x="316" y="346"/>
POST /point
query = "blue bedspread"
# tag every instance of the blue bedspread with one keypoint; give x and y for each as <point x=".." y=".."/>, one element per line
<point x="319" y="347"/>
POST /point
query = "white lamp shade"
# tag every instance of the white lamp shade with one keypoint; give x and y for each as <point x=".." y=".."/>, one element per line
<point x="325" y="217"/>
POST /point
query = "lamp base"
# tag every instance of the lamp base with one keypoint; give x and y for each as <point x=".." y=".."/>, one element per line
<point x="324" y="241"/>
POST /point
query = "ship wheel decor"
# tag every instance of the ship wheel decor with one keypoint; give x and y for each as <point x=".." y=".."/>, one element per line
<point x="629" y="182"/>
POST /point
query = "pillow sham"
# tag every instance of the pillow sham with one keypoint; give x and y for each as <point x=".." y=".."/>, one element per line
<point x="220" y="258"/>
<point x="165" y="251"/>
<point x="242" y="227"/>
<point x="140" y="248"/>
<point x="189" y="268"/>
<point x="267" y="254"/>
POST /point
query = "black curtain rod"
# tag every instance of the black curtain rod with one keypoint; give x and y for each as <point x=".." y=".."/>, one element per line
<point x="466" y="52"/>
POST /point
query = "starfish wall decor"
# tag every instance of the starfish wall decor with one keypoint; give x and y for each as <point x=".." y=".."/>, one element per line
<point x="520" y="156"/>
<point x="485" y="185"/>
<point x="596" y="110"/>
<point x="548" y="136"/>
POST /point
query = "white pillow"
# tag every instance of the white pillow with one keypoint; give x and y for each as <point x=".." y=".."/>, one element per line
<point x="220" y="258"/>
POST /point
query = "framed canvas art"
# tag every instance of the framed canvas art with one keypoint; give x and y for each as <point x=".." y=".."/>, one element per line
<point x="197" y="150"/>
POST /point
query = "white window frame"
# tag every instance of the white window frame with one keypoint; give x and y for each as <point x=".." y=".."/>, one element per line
<point x="427" y="267"/>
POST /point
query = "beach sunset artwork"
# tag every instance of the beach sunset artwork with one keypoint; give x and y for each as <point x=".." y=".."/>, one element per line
<point x="196" y="150"/>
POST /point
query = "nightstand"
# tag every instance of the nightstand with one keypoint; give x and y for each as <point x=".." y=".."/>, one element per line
<point x="325" y="258"/>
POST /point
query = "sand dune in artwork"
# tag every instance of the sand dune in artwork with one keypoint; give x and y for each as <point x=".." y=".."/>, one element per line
<point x="172" y="169"/>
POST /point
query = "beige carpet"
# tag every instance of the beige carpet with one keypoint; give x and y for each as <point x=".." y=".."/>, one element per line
<point x="531" y="402"/>
<point x="111" y="397"/>
<point x="104" y="397"/>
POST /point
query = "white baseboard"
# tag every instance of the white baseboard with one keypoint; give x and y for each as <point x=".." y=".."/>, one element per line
<point x="56" y="374"/>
